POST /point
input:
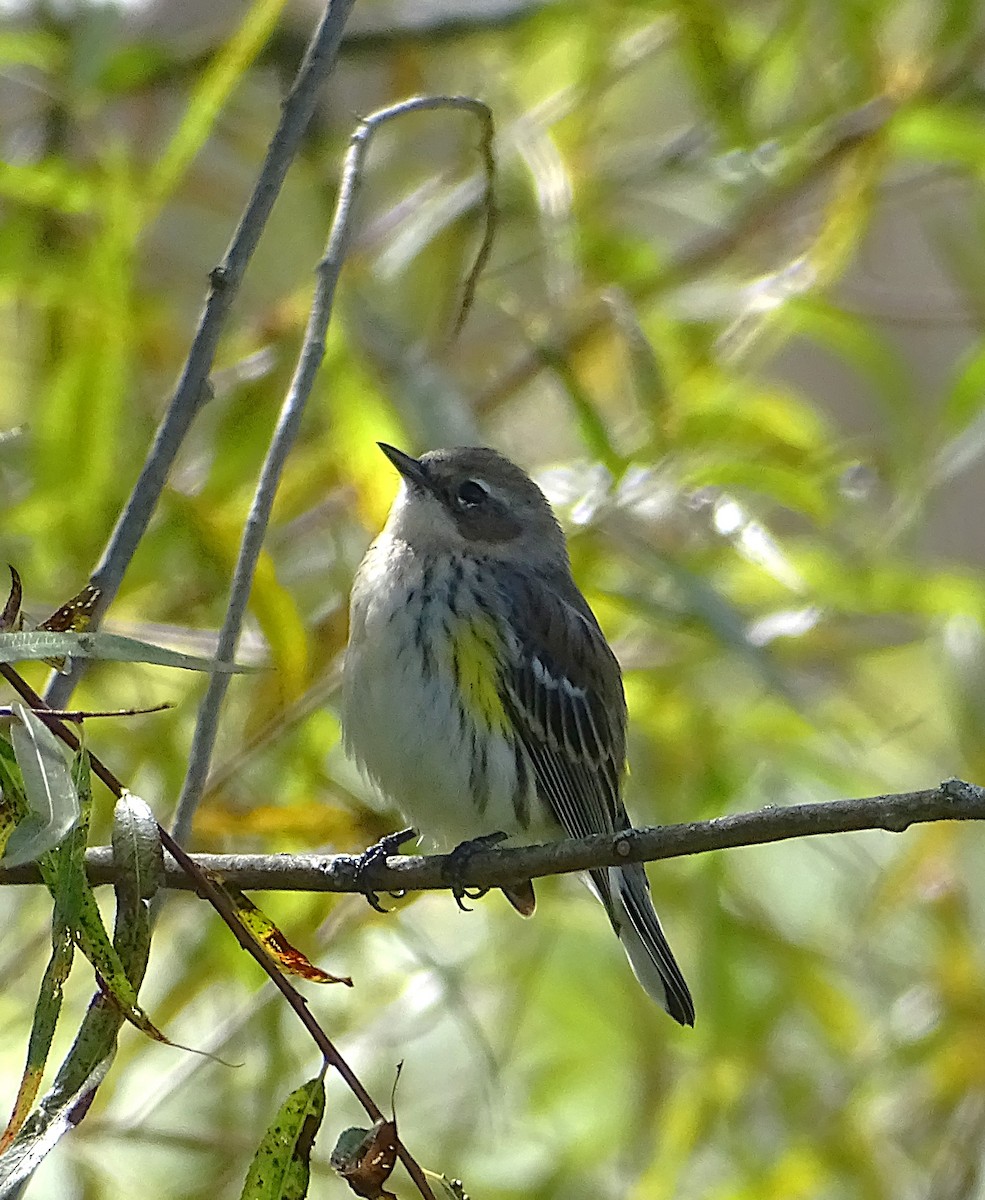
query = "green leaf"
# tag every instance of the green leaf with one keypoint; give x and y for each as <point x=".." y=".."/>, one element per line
<point x="137" y="851"/>
<point x="281" y="1166"/>
<point x="940" y="133"/>
<point x="966" y="399"/>
<point x="50" y="185"/>
<point x="93" y="940"/>
<point x="46" y="1013"/>
<point x="13" y="803"/>
<point x="787" y="486"/>
<point x="135" y="67"/>
<point x="48" y="787"/>
<point x="704" y="34"/>
<point x="591" y="423"/>
<point x="23" y="48"/>
<point x="43" y="1130"/>
<point x="108" y="647"/>
<point x="95" y="1043"/>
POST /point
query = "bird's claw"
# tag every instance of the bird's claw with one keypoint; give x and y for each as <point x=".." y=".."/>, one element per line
<point x="462" y="894"/>
<point x="380" y="851"/>
<point x="458" y="861"/>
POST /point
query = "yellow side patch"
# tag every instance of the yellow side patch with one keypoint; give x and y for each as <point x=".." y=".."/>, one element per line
<point x="475" y="662"/>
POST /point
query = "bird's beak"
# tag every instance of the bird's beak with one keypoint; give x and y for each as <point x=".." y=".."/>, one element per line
<point x="412" y="470"/>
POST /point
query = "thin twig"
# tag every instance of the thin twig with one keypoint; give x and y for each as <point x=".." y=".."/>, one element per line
<point x="78" y="715"/>
<point x="192" y="389"/>
<point x="953" y="800"/>
<point x="199" y="880"/>
<point x="489" y="205"/>
<point x="288" y="425"/>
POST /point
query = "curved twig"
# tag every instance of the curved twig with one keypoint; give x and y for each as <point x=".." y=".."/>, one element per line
<point x="289" y="423"/>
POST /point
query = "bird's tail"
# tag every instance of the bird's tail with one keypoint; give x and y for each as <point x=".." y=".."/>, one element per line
<point x="635" y="921"/>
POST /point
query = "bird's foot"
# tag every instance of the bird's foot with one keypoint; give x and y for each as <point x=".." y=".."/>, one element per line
<point x="458" y="861"/>
<point x="379" y="852"/>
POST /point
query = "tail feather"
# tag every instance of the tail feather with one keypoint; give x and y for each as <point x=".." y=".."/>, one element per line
<point x="522" y="897"/>
<point x="643" y="940"/>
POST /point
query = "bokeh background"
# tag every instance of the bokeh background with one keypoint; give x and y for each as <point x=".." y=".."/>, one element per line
<point x="733" y="323"/>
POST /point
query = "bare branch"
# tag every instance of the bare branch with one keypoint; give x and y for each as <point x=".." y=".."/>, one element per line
<point x="953" y="800"/>
<point x="289" y="423"/>
<point x="192" y="389"/>
<point x="203" y="883"/>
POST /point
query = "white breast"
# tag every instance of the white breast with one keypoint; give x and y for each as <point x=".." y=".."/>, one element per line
<point x="402" y="721"/>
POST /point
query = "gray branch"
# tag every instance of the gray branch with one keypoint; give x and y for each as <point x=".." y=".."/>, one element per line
<point x="193" y="389"/>
<point x="953" y="800"/>
<point x="289" y="424"/>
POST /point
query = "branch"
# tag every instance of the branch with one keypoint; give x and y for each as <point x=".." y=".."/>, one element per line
<point x="289" y="423"/>
<point x="953" y="800"/>
<point x="192" y="389"/>
<point x="200" y="881"/>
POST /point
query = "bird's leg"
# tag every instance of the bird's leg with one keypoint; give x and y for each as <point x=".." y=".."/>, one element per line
<point x="460" y="858"/>
<point x="380" y="851"/>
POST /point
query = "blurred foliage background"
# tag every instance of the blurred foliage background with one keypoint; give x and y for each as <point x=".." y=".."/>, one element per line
<point x="734" y="323"/>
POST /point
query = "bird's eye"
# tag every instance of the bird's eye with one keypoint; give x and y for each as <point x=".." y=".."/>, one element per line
<point x="471" y="493"/>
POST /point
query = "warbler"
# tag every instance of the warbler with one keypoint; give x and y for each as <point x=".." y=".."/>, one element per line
<point x="479" y="692"/>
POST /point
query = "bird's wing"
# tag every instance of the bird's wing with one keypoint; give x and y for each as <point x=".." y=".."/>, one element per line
<point x="563" y="691"/>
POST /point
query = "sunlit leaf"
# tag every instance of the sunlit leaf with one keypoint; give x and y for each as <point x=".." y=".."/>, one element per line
<point x="48" y="787"/>
<point x="281" y="1166"/>
<point x="40" y="1134"/>
<point x="50" y="185"/>
<point x="265" y="932"/>
<point x="135" y="67"/>
<point x="941" y="133"/>
<point x="109" y="647"/>
<point x="213" y="89"/>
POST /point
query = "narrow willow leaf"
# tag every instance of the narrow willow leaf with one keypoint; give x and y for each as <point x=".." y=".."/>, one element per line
<point x="266" y="934"/>
<point x="591" y="423"/>
<point x="28" y="48"/>
<point x="50" y="183"/>
<point x="92" y="1052"/>
<point x="42" y="1131"/>
<point x="225" y="70"/>
<point x="93" y="941"/>
<point x="46" y="1013"/>
<point x="137" y="851"/>
<point x="64" y="874"/>
<point x="139" y="860"/>
<point x="64" y="871"/>
<point x="51" y="795"/>
<point x="110" y="647"/>
<point x="11" y="811"/>
<point x="646" y="376"/>
<point x="10" y="616"/>
<point x="281" y="1166"/>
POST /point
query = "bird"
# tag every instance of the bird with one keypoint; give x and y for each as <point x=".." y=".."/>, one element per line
<point x="480" y="694"/>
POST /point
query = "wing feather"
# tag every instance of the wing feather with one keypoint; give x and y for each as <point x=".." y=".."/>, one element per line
<point x="563" y="689"/>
